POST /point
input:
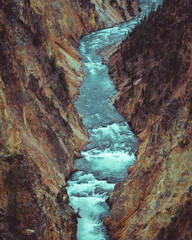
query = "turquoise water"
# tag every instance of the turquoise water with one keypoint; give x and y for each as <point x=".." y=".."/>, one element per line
<point x="113" y="145"/>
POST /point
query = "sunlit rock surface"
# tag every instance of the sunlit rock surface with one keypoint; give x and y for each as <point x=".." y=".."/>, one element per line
<point x="152" y="72"/>
<point x="41" y="131"/>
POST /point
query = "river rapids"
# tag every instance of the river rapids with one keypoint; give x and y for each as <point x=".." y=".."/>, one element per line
<point x="111" y="150"/>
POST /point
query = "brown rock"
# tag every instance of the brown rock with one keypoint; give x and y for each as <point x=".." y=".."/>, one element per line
<point x="152" y="72"/>
<point x="40" y="73"/>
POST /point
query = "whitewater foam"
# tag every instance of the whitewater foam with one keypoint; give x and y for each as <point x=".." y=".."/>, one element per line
<point x="111" y="150"/>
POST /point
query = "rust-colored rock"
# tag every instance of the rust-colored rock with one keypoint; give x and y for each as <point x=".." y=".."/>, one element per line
<point x="41" y="132"/>
<point x="152" y="72"/>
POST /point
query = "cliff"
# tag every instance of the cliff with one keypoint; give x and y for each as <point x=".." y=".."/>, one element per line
<point x="152" y="73"/>
<point x="41" y="132"/>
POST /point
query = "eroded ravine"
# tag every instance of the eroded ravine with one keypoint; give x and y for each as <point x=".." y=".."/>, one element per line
<point x="112" y="147"/>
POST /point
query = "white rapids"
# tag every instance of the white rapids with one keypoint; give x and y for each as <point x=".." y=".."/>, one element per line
<point x="111" y="151"/>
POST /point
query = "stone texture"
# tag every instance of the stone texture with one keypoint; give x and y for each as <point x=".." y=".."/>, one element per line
<point x="152" y="72"/>
<point x="41" y="132"/>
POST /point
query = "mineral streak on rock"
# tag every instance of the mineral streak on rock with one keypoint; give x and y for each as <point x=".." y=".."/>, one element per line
<point x="41" y="132"/>
<point x="152" y="72"/>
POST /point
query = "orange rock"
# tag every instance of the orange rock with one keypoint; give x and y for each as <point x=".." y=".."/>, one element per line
<point x="155" y="97"/>
<point x="39" y="79"/>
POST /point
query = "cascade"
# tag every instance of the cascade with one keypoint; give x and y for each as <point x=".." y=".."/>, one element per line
<point x="112" y="144"/>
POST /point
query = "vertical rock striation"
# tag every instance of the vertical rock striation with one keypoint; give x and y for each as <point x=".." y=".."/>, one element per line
<point x="41" y="132"/>
<point x="152" y="72"/>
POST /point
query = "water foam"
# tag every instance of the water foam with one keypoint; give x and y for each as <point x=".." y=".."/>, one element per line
<point x="111" y="151"/>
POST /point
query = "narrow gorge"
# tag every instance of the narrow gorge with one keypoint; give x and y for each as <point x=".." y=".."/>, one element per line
<point x="112" y="145"/>
<point x="152" y="70"/>
<point x="65" y="144"/>
<point x="41" y="132"/>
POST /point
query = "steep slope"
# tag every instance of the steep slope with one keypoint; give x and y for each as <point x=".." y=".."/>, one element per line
<point x="152" y="72"/>
<point x="41" y="132"/>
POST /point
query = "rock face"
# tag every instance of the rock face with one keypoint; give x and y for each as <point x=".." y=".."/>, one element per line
<point x="152" y="72"/>
<point x="41" y="132"/>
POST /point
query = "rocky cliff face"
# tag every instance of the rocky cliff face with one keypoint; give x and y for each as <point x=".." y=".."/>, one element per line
<point x="152" y="72"/>
<point x="41" y="132"/>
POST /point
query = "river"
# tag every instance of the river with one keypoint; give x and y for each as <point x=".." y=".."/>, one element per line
<point x="112" y="147"/>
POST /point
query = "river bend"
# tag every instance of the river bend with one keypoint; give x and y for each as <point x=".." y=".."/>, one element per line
<point x="112" y="147"/>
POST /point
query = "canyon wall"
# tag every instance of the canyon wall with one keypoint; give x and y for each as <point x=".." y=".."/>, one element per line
<point x="152" y="72"/>
<point x="41" y="132"/>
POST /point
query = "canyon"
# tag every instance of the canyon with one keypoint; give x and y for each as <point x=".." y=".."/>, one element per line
<point x="152" y="70"/>
<point x="41" y="131"/>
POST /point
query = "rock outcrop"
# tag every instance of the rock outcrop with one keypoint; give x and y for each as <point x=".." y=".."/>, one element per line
<point x="41" y="132"/>
<point x="152" y="72"/>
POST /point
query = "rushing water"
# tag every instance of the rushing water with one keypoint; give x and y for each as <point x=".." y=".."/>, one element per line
<point x="111" y="151"/>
